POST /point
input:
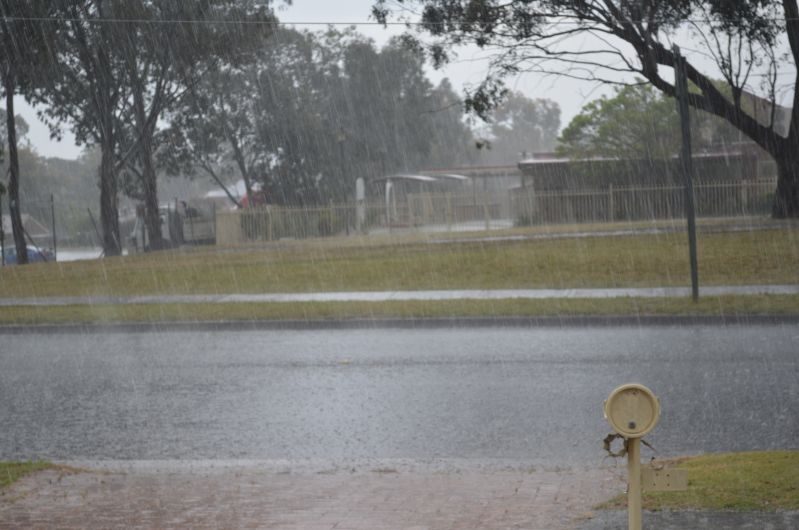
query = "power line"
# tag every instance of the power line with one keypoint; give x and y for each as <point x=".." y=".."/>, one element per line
<point x="315" y="22"/>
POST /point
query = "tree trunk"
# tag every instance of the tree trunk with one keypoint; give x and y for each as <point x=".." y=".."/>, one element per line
<point x="109" y="214"/>
<point x="13" y="179"/>
<point x="245" y="174"/>
<point x="152" y="219"/>
<point x="786" y="197"/>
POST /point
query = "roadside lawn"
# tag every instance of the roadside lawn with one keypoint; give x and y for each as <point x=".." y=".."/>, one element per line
<point x="762" y="481"/>
<point x="728" y="306"/>
<point x="766" y="256"/>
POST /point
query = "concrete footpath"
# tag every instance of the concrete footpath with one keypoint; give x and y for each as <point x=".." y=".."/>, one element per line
<point x="383" y="296"/>
<point x="207" y="495"/>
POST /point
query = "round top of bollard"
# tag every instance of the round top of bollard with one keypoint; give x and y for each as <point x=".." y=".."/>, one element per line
<point x="632" y="410"/>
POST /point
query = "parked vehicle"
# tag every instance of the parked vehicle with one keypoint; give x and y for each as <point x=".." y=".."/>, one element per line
<point x="35" y="255"/>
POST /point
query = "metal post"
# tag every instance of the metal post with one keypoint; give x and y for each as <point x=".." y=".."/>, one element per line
<point x="634" y="509"/>
<point x="449" y="212"/>
<point x="2" y="232"/>
<point x="52" y="215"/>
<point x="681" y="85"/>
<point x="611" y="204"/>
<point x="213" y="210"/>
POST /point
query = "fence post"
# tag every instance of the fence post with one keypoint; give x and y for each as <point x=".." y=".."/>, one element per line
<point x="213" y="216"/>
<point x="611" y="204"/>
<point x="744" y="195"/>
<point x="52" y="217"/>
<point x="485" y="212"/>
<point x="270" y="234"/>
<point x="449" y="212"/>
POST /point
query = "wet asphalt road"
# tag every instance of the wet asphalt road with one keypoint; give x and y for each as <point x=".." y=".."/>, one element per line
<point x="483" y="396"/>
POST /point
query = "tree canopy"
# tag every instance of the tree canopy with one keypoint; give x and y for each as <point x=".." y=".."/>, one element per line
<point x="520" y="125"/>
<point x="638" y="122"/>
<point x="25" y="50"/>
<point x="311" y="113"/>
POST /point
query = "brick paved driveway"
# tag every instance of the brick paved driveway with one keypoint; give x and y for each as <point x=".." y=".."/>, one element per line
<point x="241" y="497"/>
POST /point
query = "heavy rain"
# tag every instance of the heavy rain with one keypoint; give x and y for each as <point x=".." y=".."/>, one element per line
<point x="399" y="264"/>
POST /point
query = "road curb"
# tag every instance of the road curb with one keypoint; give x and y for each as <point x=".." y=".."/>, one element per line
<point x="408" y="323"/>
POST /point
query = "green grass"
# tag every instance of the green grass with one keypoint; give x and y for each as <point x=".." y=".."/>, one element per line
<point x="717" y="305"/>
<point x="10" y="472"/>
<point x="358" y="263"/>
<point x="764" y="481"/>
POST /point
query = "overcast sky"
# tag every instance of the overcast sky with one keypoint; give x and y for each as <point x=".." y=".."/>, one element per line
<point x="570" y="94"/>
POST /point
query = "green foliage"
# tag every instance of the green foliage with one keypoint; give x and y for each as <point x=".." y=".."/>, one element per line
<point x="638" y="122"/>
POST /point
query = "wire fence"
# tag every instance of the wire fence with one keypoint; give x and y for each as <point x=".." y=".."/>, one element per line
<point x="491" y="210"/>
<point x="743" y="198"/>
<point x="56" y="226"/>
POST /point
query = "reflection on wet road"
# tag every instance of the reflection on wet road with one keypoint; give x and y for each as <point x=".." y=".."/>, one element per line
<point x="528" y="396"/>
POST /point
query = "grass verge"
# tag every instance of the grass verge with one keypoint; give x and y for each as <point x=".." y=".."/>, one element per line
<point x="765" y="481"/>
<point x="107" y="314"/>
<point x="10" y="472"/>
<point x="766" y="256"/>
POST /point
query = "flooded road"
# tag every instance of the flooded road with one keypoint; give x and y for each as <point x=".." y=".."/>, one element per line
<point x="486" y="396"/>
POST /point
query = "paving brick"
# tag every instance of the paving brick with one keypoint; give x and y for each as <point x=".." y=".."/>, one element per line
<point x="243" y="498"/>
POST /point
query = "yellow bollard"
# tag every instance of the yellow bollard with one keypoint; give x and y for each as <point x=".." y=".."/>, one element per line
<point x="633" y="410"/>
<point x="634" y="508"/>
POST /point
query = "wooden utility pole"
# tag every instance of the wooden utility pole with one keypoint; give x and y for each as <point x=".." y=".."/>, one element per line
<point x="681" y="86"/>
<point x="2" y="229"/>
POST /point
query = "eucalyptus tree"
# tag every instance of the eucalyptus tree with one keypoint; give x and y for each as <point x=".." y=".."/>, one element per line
<point x="25" y="51"/>
<point x="87" y="88"/>
<point x="615" y="40"/>
<point x="121" y="63"/>
<point x="312" y="112"/>
<point x="168" y="47"/>
<point x="242" y="114"/>
<point x="392" y="118"/>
